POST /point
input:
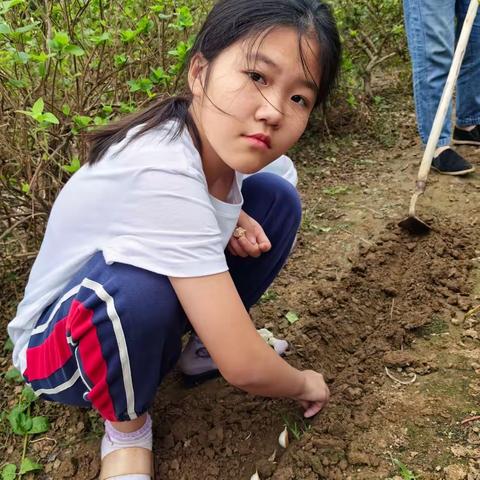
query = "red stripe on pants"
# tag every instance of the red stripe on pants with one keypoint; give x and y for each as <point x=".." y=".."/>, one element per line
<point x="94" y="365"/>
<point x="51" y="355"/>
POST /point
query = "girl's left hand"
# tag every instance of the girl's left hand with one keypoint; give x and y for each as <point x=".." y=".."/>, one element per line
<point x="253" y="243"/>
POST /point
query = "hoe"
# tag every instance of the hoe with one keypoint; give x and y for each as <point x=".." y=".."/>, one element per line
<point x="412" y="223"/>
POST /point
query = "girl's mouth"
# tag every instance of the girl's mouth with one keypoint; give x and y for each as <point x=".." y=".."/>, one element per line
<point x="259" y="140"/>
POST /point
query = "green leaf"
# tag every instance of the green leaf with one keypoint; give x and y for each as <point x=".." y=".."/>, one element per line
<point x="50" y="118"/>
<point x="21" y="57"/>
<point x="8" y="346"/>
<point x="159" y="75"/>
<point x="14" y="375"/>
<point x="292" y="317"/>
<point x="405" y="473"/>
<point x="28" y="395"/>
<point x="82" y="121"/>
<point x="73" y="166"/>
<point x="144" y="25"/>
<point x="119" y="60"/>
<point x="6" y="6"/>
<point x="61" y="39"/>
<point x="25" y="112"/>
<point x="20" y="422"/>
<point x="74" y="50"/>
<point x="29" y="466"/>
<point x="17" y="84"/>
<point x="142" y="84"/>
<point x="27" y="28"/>
<point x="128" y="35"/>
<point x="126" y="107"/>
<point x="25" y="187"/>
<point x="105" y="37"/>
<point x="37" y="107"/>
<point x="163" y="16"/>
<point x="100" y="120"/>
<point x="9" y="472"/>
<point x="42" y="70"/>
<point x="185" y="18"/>
<point x="5" y="28"/>
<point x="39" y="425"/>
<point x="66" y="109"/>
<point x="180" y="52"/>
<point x="108" y="109"/>
<point x="40" y="57"/>
<point x="269" y="295"/>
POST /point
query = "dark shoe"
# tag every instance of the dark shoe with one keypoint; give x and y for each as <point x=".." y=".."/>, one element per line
<point x="449" y="162"/>
<point x="462" y="137"/>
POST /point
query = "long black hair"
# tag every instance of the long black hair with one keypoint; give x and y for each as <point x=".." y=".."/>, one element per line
<point x="228" y="22"/>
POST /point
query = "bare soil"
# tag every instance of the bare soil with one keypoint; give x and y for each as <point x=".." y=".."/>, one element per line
<point x="376" y="307"/>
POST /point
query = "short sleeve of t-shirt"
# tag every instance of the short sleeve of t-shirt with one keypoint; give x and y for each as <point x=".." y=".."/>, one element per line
<point x="166" y="223"/>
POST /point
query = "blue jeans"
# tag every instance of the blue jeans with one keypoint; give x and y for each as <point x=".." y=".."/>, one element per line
<point x="433" y="26"/>
<point x="116" y="330"/>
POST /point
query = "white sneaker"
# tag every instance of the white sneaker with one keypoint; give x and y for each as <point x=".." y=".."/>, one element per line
<point x="197" y="365"/>
<point x="195" y="362"/>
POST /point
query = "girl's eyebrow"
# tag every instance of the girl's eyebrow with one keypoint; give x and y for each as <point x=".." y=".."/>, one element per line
<point x="260" y="57"/>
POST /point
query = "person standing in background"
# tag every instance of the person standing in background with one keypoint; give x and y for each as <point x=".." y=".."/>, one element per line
<point x="433" y="26"/>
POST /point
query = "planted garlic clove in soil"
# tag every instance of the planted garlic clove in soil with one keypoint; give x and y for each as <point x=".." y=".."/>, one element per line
<point x="255" y="476"/>
<point x="283" y="438"/>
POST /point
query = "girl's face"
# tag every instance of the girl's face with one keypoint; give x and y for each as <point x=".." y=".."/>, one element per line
<point x="257" y="100"/>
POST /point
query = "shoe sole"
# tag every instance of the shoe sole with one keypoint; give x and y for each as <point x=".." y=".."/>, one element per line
<point x="455" y="174"/>
<point x="191" y="381"/>
<point x="466" y="142"/>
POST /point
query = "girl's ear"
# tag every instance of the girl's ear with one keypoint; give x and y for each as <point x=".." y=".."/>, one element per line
<point x="196" y="74"/>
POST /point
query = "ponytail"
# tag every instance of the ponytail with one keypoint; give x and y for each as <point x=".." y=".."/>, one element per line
<point x="159" y="112"/>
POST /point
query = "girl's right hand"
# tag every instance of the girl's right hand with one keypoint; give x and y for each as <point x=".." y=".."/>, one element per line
<point x="242" y="357"/>
<point x="315" y="394"/>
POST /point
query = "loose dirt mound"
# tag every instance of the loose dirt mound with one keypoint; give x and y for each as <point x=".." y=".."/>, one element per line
<point x="397" y="283"/>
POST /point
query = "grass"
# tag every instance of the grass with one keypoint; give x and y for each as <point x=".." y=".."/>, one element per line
<point x="296" y="425"/>
<point x="336" y="190"/>
<point x="435" y="327"/>
<point x="269" y="295"/>
<point x="403" y="470"/>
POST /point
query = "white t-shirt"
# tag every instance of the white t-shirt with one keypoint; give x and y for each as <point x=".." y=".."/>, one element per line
<point x="148" y="206"/>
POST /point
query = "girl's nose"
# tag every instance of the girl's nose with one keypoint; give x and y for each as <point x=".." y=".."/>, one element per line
<point x="270" y="112"/>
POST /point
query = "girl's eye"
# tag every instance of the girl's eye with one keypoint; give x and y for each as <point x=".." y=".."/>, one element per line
<point x="300" y="100"/>
<point x="256" y="77"/>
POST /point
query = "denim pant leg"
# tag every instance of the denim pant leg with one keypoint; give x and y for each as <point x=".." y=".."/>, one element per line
<point x="430" y="26"/>
<point x="275" y="204"/>
<point x="468" y="86"/>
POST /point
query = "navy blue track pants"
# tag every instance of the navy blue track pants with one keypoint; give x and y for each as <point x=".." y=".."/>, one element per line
<point x="116" y="330"/>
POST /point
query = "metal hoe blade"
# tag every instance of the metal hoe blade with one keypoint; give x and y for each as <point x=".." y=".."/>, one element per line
<point x="412" y="223"/>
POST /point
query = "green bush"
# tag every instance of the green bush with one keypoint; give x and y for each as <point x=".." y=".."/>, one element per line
<point x="66" y="66"/>
<point x="372" y="33"/>
<point x="70" y="65"/>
